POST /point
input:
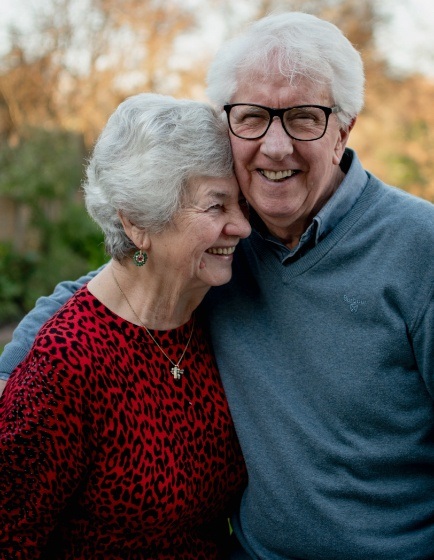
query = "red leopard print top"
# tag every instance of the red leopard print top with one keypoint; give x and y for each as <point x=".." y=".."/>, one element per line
<point x="103" y="455"/>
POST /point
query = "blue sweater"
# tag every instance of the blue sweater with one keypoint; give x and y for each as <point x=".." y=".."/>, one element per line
<point x="328" y="365"/>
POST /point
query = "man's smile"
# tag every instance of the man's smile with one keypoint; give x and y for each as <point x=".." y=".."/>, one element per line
<point x="277" y="175"/>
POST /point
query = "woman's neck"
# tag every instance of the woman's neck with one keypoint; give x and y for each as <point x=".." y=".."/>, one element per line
<point x="143" y="298"/>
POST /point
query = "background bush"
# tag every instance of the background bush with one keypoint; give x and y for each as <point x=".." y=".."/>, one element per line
<point x="42" y="177"/>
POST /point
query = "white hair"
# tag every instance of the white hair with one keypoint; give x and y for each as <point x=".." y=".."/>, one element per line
<point x="302" y="46"/>
<point x="151" y="149"/>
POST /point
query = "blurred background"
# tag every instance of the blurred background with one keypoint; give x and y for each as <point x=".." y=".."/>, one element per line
<point x="66" y="64"/>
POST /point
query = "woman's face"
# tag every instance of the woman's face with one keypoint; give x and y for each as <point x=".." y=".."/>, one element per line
<point x="199" y="244"/>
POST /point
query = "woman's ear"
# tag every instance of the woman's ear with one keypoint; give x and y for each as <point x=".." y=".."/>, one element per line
<point x="138" y="236"/>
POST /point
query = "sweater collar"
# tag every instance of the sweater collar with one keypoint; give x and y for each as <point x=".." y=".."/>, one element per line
<point x="328" y="217"/>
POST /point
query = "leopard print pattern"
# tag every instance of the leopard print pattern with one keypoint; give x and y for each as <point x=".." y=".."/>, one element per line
<point x="104" y="455"/>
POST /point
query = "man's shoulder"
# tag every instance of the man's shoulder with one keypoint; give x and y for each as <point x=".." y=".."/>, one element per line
<point x="416" y="212"/>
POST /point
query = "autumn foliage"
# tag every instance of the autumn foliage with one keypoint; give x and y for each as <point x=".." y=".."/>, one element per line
<point x="61" y="80"/>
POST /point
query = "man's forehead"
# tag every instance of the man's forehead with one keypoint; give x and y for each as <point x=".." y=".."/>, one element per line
<point x="276" y="90"/>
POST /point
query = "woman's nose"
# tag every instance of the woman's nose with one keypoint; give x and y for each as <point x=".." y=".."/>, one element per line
<point x="238" y="225"/>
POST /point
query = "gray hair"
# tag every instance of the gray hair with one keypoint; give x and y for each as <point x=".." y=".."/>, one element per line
<point x="151" y="149"/>
<point x="303" y="46"/>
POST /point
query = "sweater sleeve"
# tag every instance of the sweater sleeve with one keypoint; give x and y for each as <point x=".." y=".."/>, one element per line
<point x="43" y="454"/>
<point x="29" y="326"/>
<point x="423" y="342"/>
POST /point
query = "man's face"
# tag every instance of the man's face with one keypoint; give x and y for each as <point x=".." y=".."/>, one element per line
<point x="288" y="204"/>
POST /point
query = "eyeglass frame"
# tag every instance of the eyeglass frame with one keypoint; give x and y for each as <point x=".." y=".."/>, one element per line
<point x="279" y="113"/>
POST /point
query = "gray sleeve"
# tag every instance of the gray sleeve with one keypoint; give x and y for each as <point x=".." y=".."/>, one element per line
<point x="29" y="326"/>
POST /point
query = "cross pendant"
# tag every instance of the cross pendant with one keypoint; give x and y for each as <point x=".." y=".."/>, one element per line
<point x="176" y="372"/>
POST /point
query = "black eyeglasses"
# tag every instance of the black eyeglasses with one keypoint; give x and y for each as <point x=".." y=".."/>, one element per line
<point x="303" y="122"/>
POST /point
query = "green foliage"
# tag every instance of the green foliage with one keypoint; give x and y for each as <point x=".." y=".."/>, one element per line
<point x="14" y="273"/>
<point x="404" y="170"/>
<point x="46" y="165"/>
<point x="417" y="130"/>
<point x="60" y="241"/>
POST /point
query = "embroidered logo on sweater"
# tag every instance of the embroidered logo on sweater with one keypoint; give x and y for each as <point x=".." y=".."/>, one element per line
<point x="354" y="303"/>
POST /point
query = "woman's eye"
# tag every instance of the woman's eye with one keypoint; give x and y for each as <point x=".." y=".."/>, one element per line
<point x="215" y="207"/>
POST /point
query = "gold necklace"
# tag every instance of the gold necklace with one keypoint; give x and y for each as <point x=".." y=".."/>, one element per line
<point x="176" y="371"/>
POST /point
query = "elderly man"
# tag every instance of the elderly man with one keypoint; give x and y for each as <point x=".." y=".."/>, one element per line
<point x="324" y="337"/>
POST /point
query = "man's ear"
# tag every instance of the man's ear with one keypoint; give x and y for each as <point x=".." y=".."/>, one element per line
<point x="344" y="134"/>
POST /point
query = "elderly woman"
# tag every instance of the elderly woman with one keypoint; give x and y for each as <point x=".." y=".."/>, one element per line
<point x="116" y="438"/>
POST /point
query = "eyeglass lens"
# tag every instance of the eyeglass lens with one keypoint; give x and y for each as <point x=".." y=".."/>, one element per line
<point x="306" y="123"/>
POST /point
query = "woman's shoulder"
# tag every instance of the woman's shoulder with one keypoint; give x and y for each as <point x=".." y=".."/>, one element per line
<point x="70" y="337"/>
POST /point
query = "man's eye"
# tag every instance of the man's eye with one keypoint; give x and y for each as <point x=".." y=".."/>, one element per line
<point x="253" y="116"/>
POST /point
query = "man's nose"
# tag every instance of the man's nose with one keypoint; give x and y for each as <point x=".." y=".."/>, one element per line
<point x="276" y="143"/>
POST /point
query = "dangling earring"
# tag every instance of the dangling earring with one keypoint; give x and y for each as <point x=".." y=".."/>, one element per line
<point x="140" y="258"/>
